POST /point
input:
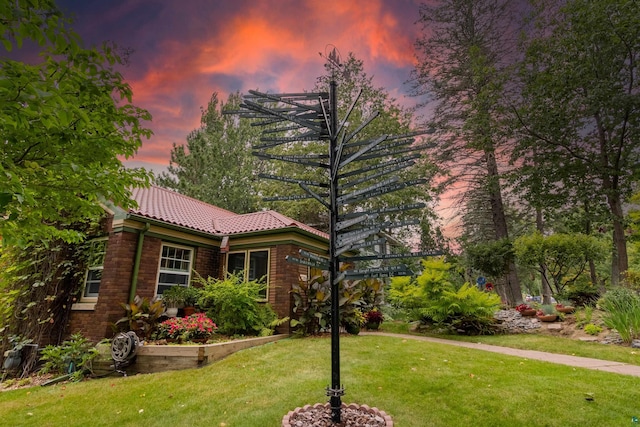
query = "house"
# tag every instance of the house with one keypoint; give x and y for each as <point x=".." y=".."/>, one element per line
<point x="168" y="237"/>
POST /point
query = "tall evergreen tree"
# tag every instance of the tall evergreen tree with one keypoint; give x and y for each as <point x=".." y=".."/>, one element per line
<point x="216" y="165"/>
<point x="463" y="58"/>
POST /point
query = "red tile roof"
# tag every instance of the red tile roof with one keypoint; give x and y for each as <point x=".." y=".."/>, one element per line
<point x="174" y="208"/>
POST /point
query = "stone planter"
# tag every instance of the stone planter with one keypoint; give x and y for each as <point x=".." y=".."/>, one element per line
<point x="567" y="309"/>
<point x="528" y="312"/>
<point x="352" y="414"/>
<point x="548" y="318"/>
<point x="373" y="326"/>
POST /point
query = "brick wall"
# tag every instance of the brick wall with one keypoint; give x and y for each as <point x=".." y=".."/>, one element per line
<point x="118" y="271"/>
<point x="208" y="262"/>
<point x="116" y="281"/>
<point x="114" y="289"/>
<point x="149" y="265"/>
<point x="282" y="276"/>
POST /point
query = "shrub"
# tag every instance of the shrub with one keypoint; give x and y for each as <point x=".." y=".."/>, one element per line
<point x="74" y="356"/>
<point x="592" y="329"/>
<point x="581" y="293"/>
<point x="312" y="303"/>
<point x="631" y="280"/>
<point x="234" y="304"/>
<point x="622" y="312"/>
<point x="467" y="310"/>
<point x="436" y="299"/>
<point x="142" y="316"/>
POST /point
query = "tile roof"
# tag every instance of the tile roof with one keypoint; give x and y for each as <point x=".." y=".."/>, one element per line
<point x="175" y="208"/>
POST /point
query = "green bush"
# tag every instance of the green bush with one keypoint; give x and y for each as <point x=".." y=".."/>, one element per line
<point x="234" y="304"/>
<point x="312" y="303"/>
<point x="74" y="356"/>
<point x="592" y="329"/>
<point x="631" y="280"/>
<point x="468" y="310"/>
<point x="436" y="299"/>
<point x="622" y="312"/>
<point x="581" y="293"/>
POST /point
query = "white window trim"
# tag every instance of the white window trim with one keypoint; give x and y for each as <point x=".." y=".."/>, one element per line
<point x="245" y="272"/>
<point x="89" y="302"/>
<point x="160" y="271"/>
<point x="86" y="272"/>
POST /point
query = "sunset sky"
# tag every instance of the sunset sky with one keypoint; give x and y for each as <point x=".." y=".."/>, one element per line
<point x="186" y="50"/>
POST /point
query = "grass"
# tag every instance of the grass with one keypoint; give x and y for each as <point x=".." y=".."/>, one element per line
<point x="540" y="342"/>
<point x="417" y="383"/>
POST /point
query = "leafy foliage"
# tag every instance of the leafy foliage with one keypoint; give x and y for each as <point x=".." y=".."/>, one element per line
<point x="463" y="69"/>
<point x="492" y="258"/>
<point x="312" y="303"/>
<point x="234" y="303"/>
<point x="434" y="296"/>
<point x="580" y="107"/>
<point x="66" y="122"/>
<point x="592" y="329"/>
<point x="563" y="258"/>
<point x="622" y="312"/>
<point x="142" y="316"/>
<point x="74" y="356"/>
<point x="38" y="285"/>
<point x="467" y="309"/>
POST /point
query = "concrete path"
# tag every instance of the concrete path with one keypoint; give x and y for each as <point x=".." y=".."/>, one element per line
<point x="562" y="359"/>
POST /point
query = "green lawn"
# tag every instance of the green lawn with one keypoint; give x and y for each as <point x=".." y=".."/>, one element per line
<point x="417" y="383"/>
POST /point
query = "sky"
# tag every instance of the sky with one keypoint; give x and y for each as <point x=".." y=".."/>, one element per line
<point x="183" y="51"/>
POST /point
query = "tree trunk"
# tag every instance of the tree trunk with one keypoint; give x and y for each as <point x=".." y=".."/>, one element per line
<point x="546" y="287"/>
<point x="619" y="259"/>
<point x="512" y="285"/>
<point x="610" y="184"/>
<point x="547" y="293"/>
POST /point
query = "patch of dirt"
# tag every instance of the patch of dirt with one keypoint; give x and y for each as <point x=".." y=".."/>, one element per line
<point x="30" y="381"/>
<point x="570" y="328"/>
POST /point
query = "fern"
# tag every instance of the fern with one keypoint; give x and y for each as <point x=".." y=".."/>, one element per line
<point x="467" y="309"/>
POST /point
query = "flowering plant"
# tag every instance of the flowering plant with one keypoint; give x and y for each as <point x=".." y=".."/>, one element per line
<point x="374" y="316"/>
<point x="196" y="326"/>
<point x="522" y="307"/>
<point x="488" y="287"/>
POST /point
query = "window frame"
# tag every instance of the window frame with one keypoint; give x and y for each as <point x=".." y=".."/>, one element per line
<point x="246" y="269"/>
<point x="94" y="296"/>
<point x="162" y="270"/>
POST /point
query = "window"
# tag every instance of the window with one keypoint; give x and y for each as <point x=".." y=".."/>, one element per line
<point x="253" y="265"/>
<point x="95" y="265"/>
<point x="175" y="267"/>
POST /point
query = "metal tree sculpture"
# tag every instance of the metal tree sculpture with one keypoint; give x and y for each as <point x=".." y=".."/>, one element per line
<point x="302" y="117"/>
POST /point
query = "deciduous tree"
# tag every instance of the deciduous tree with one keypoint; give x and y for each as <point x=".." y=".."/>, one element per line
<point x="66" y="121"/>
<point x="581" y="103"/>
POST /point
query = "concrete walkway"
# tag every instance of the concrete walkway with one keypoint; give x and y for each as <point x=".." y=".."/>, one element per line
<point x="562" y="359"/>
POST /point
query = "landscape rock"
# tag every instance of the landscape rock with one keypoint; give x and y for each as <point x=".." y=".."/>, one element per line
<point x="512" y="322"/>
